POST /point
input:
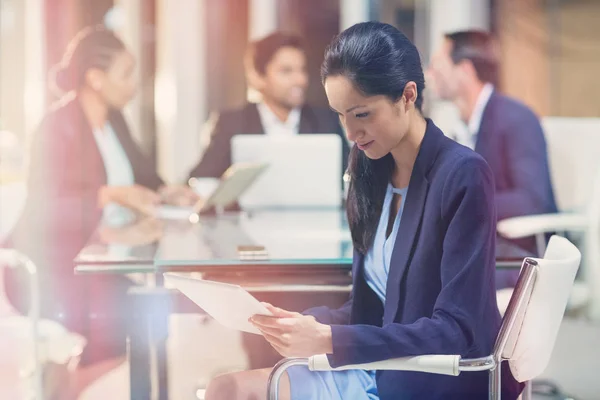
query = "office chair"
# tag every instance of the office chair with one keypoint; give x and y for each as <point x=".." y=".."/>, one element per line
<point x="30" y="342"/>
<point x="575" y="171"/>
<point x="537" y="305"/>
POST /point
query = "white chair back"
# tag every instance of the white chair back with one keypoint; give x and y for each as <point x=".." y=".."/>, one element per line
<point x="575" y="169"/>
<point x="573" y="145"/>
<point x="532" y="337"/>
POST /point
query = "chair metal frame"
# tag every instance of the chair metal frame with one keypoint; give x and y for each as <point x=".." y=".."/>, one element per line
<point x="509" y="331"/>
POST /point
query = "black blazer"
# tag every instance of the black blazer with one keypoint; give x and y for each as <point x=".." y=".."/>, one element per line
<point x="217" y="157"/>
<point x="65" y="174"/>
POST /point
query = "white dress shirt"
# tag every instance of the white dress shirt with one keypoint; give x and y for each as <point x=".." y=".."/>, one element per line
<point x="272" y="125"/>
<point x="469" y="137"/>
<point x="118" y="172"/>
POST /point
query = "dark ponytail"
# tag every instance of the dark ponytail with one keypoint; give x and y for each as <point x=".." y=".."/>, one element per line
<point x="92" y="47"/>
<point x="379" y="60"/>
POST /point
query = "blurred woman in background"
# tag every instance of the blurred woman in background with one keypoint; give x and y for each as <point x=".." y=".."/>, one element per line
<point x="85" y="168"/>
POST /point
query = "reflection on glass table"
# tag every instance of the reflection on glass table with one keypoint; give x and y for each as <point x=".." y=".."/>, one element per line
<point x="282" y="239"/>
<point x="132" y="243"/>
<point x="285" y="237"/>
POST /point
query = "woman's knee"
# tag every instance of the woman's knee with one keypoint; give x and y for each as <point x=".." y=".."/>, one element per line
<point x="222" y="387"/>
<point x="234" y="386"/>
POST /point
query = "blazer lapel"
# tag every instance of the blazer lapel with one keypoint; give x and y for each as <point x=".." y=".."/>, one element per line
<point x="411" y="219"/>
<point x="307" y="123"/>
<point x="251" y="121"/>
<point x="91" y="161"/>
<point x="405" y="241"/>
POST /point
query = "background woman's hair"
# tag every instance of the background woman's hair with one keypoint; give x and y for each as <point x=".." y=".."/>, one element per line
<point x="379" y="60"/>
<point x="92" y="47"/>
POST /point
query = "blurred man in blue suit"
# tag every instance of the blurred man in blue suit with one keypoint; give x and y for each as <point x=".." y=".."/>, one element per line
<point x="503" y="130"/>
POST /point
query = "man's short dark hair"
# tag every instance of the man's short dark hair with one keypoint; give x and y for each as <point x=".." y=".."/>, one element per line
<point x="478" y="48"/>
<point x="264" y="49"/>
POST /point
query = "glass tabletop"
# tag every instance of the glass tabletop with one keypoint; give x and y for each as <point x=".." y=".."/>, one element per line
<point x="310" y="239"/>
<point x="283" y="237"/>
<point x="268" y="237"/>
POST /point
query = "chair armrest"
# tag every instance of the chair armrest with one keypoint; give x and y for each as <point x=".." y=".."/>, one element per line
<point x="433" y="364"/>
<point x="530" y="225"/>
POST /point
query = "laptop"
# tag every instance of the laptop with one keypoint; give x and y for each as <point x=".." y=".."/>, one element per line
<point x="304" y="170"/>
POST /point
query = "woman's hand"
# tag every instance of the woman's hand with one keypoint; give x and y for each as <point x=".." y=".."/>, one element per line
<point x="178" y="195"/>
<point x="293" y="334"/>
<point x="136" y="197"/>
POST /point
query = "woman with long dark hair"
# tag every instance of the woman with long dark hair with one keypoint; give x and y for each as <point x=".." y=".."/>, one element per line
<point x="422" y="219"/>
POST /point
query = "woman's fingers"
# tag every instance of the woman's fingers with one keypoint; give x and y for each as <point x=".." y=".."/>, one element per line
<point x="274" y="323"/>
<point x="275" y="340"/>
<point x="280" y="312"/>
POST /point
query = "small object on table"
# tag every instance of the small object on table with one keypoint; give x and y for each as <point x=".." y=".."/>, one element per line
<point x="252" y="252"/>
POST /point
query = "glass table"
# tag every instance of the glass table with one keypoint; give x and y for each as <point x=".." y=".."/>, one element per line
<point x="276" y="251"/>
<point x="260" y="241"/>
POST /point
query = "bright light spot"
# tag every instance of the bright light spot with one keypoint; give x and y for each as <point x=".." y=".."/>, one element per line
<point x="165" y="100"/>
<point x="114" y="19"/>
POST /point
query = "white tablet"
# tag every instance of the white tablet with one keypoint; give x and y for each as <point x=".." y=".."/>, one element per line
<point x="229" y="304"/>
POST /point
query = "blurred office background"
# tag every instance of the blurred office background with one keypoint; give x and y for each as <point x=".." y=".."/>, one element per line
<point x="191" y="62"/>
<point x="189" y="55"/>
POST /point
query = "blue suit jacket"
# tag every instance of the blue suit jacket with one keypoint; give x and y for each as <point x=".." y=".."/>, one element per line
<point x="512" y="142"/>
<point x="440" y="296"/>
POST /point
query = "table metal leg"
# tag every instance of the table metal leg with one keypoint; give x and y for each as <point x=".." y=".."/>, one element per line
<point x="139" y="345"/>
<point x="148" y="333"/>
<point x="159" y="335"/>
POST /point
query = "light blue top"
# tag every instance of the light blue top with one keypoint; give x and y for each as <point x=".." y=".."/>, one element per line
<point x="377" y="260"/>
<point x="118" y="172"/>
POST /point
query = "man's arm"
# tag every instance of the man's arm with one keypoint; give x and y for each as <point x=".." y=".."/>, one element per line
<point x="527" y="165"/>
